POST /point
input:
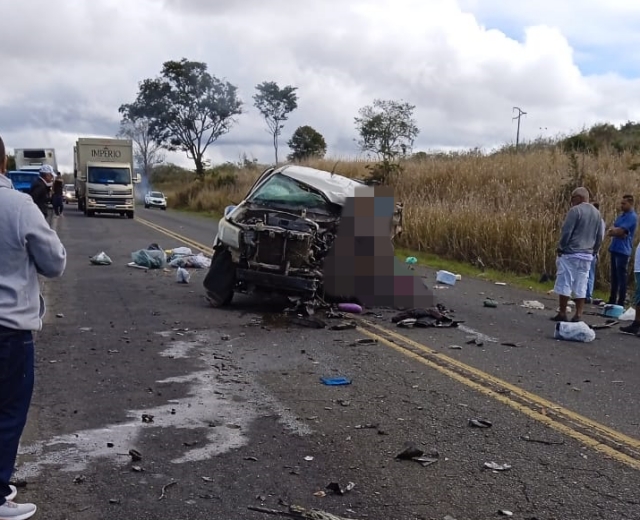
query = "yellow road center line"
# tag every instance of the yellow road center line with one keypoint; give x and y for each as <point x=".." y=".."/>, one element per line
<point x="588" y="440"/>
<point x="177" y="236"/>
<point x="520" y="392"/>
<point x="533" y="400"/>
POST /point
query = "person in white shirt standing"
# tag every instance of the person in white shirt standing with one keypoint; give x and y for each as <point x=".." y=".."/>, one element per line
<point x="594" y="262"/>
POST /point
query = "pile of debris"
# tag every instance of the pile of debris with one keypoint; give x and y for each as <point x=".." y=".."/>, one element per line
<point x="154" y="257"/>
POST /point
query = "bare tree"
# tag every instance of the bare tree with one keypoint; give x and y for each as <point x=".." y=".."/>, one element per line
<point x="147" y="152"/>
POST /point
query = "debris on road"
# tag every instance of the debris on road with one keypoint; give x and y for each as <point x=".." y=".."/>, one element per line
<point x="574" y="331"/>
<point x="412" y="260"/>
<point x="532" y="304"/>
<point x="364" y="341"/>
<point x="491" y="303"/>
<point x="426" y="318"/>
<point x="411" y="452"/>
<point x="480" y="423"/>
<point x="184" y="257"/>
<point x="147" y="418"/>
<point x="308" y="458"/>
<point x="135" y="455"/>
<point x="101" y="259"/>
<point x="335" y="381"/>
<point x="446" y="277"/>
<point x="505" y="512"/>
<point x="337" y="489"/>
<point x="182" y="275"/>
<point x="299" y="512"/>
<point x="164" y="489"/>
<point x="149" y="258"/>
<point x="497" y="467"/>
<point x="353" y="308"/>
<point x="345" y="325"/>
<point x="541" y="441"/>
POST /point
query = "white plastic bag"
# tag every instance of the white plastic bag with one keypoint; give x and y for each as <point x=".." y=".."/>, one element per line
<point x="570" y="331"/>
<point x="101" y="259"/>
<point x="628" y="315"/>
<point x="182" y="275"/>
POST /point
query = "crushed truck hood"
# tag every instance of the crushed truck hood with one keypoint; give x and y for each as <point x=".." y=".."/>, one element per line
<point x="335" y="187"/>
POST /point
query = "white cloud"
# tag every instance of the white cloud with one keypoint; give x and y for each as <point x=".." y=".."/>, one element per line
<point x="68" y="65"/>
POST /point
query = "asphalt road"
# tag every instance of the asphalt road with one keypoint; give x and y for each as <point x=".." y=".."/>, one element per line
<point x="241" y="418"/>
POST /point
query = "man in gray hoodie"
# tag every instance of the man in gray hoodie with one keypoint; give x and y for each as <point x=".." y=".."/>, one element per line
<point x="28" y="247"/>
<point x="580" y="240"/>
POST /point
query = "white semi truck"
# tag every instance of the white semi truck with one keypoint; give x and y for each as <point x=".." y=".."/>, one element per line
<point x="32" y="159"/>
<point x="104" y="177"/>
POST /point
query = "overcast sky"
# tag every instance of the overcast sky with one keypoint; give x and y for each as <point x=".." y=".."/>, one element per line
<point x="68" y="65"/>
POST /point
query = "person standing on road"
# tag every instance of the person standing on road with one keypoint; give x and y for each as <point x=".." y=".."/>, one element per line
<point x="594" y="262"/>
<point x="634" y="327"/>
<point x="620" y="249"/>
<point x="28" y="247"/>
<point x="57" y="198"/>
<point x="41" y="188"/>
<point x="580" y="240"/>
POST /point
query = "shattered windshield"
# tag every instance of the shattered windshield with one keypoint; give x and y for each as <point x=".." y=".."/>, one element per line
<point x="282" y="191"/>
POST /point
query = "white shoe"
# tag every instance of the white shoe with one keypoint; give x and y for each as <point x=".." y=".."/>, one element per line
<point x="12" y="511"/>
<point x="13" y="494"/>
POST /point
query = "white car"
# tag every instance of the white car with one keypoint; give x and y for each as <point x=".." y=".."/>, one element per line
<point x="276" y="239"/>
<point x="155" y="199"/>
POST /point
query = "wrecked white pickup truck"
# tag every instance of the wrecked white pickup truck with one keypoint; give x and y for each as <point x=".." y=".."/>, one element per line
<point x="276" y="239"/>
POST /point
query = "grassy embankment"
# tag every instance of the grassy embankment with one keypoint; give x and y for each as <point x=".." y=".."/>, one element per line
<point x="505" y="209"/>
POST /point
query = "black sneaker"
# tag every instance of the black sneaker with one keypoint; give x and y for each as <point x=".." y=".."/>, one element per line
<point x="633" y="328"/>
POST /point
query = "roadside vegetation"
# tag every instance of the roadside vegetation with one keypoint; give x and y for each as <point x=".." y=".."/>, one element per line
<point x="494" y="214"/>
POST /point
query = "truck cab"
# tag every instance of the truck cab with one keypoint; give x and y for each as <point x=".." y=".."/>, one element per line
<point x="103" y="169"/>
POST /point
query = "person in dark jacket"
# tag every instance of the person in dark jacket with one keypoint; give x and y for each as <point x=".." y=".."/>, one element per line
<point x="57" y="198"/>
<point x="41" y="189"/>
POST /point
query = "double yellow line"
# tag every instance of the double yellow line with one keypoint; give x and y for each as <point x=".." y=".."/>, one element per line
<point x="191" y="243"/>
<point x="609" y="442"/>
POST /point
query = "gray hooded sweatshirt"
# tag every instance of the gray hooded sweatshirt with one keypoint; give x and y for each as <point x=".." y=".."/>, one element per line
<point x="28" y="247"/>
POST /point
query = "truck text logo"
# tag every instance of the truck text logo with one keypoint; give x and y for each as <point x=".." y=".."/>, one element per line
<point x="106" y="153"/>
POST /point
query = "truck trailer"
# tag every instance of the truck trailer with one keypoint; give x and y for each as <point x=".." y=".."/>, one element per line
<point x="33" y="159"/>
<point x="104" y="177"/>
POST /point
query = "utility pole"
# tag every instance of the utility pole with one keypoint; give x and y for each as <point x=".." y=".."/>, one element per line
<point x="520" y="114"/>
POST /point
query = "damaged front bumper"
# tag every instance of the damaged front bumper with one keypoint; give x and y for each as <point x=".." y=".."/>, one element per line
<point x="277" y="251"/>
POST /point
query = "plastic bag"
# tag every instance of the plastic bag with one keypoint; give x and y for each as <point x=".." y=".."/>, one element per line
<point x="182" y="275"/>
<point x="628" y="315"/>
<point x="570" y="331"/>
<point x="101" y="259"/>
<point x="152" y="259"/>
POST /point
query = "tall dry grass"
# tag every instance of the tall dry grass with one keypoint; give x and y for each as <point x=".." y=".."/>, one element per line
<point x="506" y="209"/>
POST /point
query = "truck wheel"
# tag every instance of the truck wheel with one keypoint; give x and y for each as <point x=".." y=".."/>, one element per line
<point x="130" y="214"/>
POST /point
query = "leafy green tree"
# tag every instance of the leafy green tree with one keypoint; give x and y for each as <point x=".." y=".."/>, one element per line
<point x="148" y="153"/>
<point x="306" y="142"/>
<point x="11" y="162"/>
<point x="387" y="129"/>
<point x="187" y="108"/>
<point x="275" y="104"/>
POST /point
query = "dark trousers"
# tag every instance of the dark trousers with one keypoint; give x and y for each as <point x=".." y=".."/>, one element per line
<point x="16" y="389"/>
<point x="619" y="263"/>
<point x="58" y="204"/>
